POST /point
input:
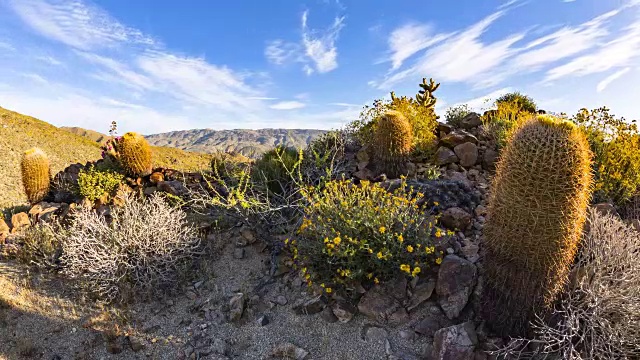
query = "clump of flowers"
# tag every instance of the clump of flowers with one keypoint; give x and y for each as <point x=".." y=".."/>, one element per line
<point x="363" y="233"/>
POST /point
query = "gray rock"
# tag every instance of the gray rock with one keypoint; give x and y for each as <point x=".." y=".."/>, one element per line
<point x="238" y="253"/>
<point x="328" y="316"/>
<point x="289" y="351"/>
<point x="309" y="307"/>
<point x="444" y="129"/>
<point x="457" y="137"/>
<point x="489" y="159"/>
<point x="135" y="343"/>
<point x="344" y="311"/>
<point x="420" y="294"/>
<point x="456" y="218"/>
<point x="456" y="342"/>
<point x="378" y="304"/>
<point x="456" y="279"/>
<point x="467" y="153"/>
<point x="606" y="209"/>
<point x="375" y="334"/>
<point x="236" y="306"/>
<point x="281" y="300"/>
<point x="263" y="320"/>
<point x="445" y="156"/>
<point x="470" y="121"/>
<point x="173" y="187"/>
<point x="435" y="321"/>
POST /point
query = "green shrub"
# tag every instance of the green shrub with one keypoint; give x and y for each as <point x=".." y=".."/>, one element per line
<point x="277" y="169"/>
<point x="229" y="166"/>
<point x="363" y="233"/>
<point x="500" y="123"/>
<point x="94" y="183"/>
<point x="324" y="158"/>
<point x="39" y="247"/>
<point x="522" y="101"/>
<point x="455" y="114"/>
<point x="616" y="147"/>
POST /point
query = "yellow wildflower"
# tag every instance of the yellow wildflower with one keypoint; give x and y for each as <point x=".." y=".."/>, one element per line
<point x="382" y="229"/>
<point x="369" y="275"/>
<point x="337" y="240"/>
<point x="415" y="271"/>
<point x="436" y="203"/>
<point x="328" y="290"/>
<point x="439" y="261"/>
<point x="330" y="246"/>
<point x="438" y="233"/>
<point x="410" y="248"/>
<point x="406" y="268"/>
<point x="379" y="255"/>
<point x="322" y="285"/>
<point x="376" y="281"/>
<point x="400" y="238"/>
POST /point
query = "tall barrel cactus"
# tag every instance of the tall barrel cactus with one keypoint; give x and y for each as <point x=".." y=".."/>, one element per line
<point x="135" y="154"/>
<point x="36" y="174"/>
<point x="393" y="141"/>
<point x="537" y="210"/>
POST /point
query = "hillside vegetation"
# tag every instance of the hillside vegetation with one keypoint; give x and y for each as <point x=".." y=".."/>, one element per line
<point x="252" y="143"/>
<point x="64" y="146"/>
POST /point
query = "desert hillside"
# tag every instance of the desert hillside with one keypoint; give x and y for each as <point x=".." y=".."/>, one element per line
<point x="247" y="142"/>
<point x="64" y="146"/>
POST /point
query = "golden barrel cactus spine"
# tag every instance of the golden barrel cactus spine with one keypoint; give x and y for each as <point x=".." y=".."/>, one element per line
<point x="36" y="175"/>
<point x="537" y="210"/>
<point x="135" y="154"/>
<point x="393" y="142"/>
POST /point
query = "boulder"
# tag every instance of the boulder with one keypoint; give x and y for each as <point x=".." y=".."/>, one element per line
<point x="457" y="137"/>
<point x="378" y="305"/>
<point x="489" y="159"/>
<point x="470" y="121"/>
<point x="4" y="230"/>
<point x="456" y="342"/>
<point x="467" y="153"/>
<point x="344" y="311"/>
<point x="433" y="322"/>
<point x="421" y="293"/>
<point x="156" y="177"/>
<point x="445" y="156"/>
<point x="309" y="307"/>
<point x="444" y="129"/>
<point x="173" y="187"/>
<point x="456" y="279"/>
<point x="456" y="218"/>
<point x="20" y="221"/>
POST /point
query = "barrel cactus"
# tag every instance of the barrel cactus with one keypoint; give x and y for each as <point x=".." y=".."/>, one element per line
<point x="36" y="175"/>
<point x="393" y="142"/>
<point x="537" y="210"/>
<point x="134" y="154"/>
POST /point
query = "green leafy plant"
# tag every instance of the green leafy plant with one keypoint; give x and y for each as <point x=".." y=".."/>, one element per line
<point x="276" y="169"/>
<point x="93" y="183"/>
<point x="616" y="147"/>
<point x="500" y="123"/>
<point x="39" y="247"/>
<point x="522" y="101"/>
<point x="363" y="233"/>
<point x="455" y="114"/>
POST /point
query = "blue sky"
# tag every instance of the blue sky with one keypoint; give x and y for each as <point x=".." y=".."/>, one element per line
<point x="159" y="65"/>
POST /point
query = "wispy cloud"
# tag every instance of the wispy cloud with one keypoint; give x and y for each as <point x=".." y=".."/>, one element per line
<point x="611" y="78"/>
<point x="317" y="49"/>
<point x="36" y="78"/>
<point x="49" y="60"/>
<point x="76" y="23"/>
<point x="483" y="102"/>
<point x="288" y="105"/>
<point x="409" y="39"/>
<point x="345" y="104"/>
<point x="6" y="46"/>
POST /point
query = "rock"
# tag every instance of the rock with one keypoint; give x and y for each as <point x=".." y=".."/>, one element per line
<point x="407" y="334"/>
<point x="249" y="236"/>
<point x="114" y="346"/>
<point x="444" y="129"/>
<point x="421" y="293"/>
<point x="4" y="230"/>
<point x="457" y="137"/>
<point x="236" y="306"/>
<point x="362" y="165"/>
<point x="432" y="323"/>
<point x="480" y="210"/>
<point x="378" y="304"/>
<point x="447" y="193"/>
<point x="289" y="351"/>
<point x="281" y="300"/>
<point x="445" y="156"/>
<point x="456" y="279"/>
<point x="328" y="316"/>
<point x="150" y="190"/>
<point x="606" y="209"/>
<point x="456" y="342"/>
<point x="470" y="121"/>
<point x="238" y="253"/>
<point x="344" y="311"/>
<point x="309" y="307"/>
<point x="156" y="177"/>
<point x="263" y="320"/>
<point x="470" y="250"/>
<point x="635" y="223"/>
<point x="173" y="187"/>
<point x="467" y="153"/>
<point x="489" y="159"/>
<point x="219" y="347"/>
<point x="364" y="174"/>
<point x="375" y="334"/>
<point x="20" y="221"/>
<point x="456" y="218"/>
<point x="135" y="343"/>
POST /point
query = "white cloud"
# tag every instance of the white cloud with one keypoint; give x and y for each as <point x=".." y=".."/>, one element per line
<point x="611" y="78"/>
<point x="36" y="78"/>
<point x="50" y="60"/>
<point x="76" y="23"/>
<point x="119" y="72"/>
<point x="288" y="105"/>
<point x="409" y="39"/>
<point x="317" y="50"/>
<point x="6" y="46"/>
<point x="486" y="101"/>
<point x="345" y="104"/>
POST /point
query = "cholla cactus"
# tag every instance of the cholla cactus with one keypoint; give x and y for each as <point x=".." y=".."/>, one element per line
<point x="36" y="175"/>
<point x="425" y="96"/>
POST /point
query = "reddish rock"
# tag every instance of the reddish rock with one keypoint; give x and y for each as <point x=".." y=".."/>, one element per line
<point x="156" y="177"/>
<point x="467" y="153"/>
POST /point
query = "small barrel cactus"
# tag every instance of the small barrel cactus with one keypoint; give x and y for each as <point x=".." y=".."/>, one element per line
<point x="393" y="142"/>
<point x="36" y="175"/>
<point x="135" y="154"/>
<point x="537" y="210"/>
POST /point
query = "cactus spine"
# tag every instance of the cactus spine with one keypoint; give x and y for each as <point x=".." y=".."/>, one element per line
<point x="393" y="141"/>
<point x="135" y="154"/>
<point x="36" y="175"/>
<point x="537" y="210"/>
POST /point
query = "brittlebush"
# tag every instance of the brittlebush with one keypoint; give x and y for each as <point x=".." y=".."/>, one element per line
<point x="354" y="234"/>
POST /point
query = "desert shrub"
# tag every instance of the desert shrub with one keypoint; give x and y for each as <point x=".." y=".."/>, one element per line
<point x="324" y="158"/>
<point x="363" y="233"/>
<point x="522" y="101"/>
<point x="423" y="120"/>
<point x="93" y="183"/>
<point x="275" y="169"/>
<point x="455" y="114"/>
<point x="139" y="252"/>
<point x="229" y="166"/>
<point x="39" y="247"/>
<point x="599" y="315"/>
<point x="501" y="122"/>
<point x="616" y="147"/>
